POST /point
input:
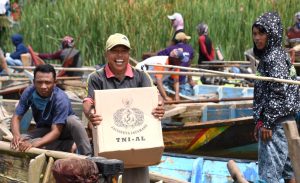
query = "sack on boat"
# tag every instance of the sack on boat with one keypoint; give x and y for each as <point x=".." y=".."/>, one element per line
<point x="75" y="170"/>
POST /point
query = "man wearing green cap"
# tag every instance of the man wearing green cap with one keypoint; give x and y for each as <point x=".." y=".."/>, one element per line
<point x="117" y="74"/>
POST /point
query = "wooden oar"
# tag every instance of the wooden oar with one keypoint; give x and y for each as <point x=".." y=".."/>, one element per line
<point x="209" y="100"/>
<point x="248" y="76"/>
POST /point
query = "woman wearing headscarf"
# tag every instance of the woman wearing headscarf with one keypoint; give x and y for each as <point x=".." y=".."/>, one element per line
<point x="177" y="24"/>
<point x="274" y="103"/>
<point x="206" y="50"/>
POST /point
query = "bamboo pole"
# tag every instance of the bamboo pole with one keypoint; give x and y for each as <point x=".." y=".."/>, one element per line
<point x="225" y="62"/>
<point x="133" y="60"/>
<point x="166" y="179"/>
<point x="7" y="78"/>
<point x="91" y="69"/>
<point x="248" y="76"/>
<point x="209" y="100"/>
<point x="182" y="73"/>
<point x="55" y="154"/>
<point x="221" y="66"/>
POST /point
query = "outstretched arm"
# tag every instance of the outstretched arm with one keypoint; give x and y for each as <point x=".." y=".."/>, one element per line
<point x="161" y="90"/>
<point x="176" y="89"/>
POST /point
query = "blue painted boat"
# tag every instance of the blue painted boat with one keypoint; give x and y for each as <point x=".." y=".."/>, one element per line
<point x="223" y="91"/>
<point x="215" y="91"/>
<point x="222" y="129"/>
<point x="197" y="169"/>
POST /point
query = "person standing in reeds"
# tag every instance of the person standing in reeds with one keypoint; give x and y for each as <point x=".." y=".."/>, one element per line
<point x="274" y="103"/>
<point x="177" y="24"/>
<point x="206" y="50"/>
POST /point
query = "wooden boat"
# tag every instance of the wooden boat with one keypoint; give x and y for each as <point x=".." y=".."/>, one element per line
<point x="199" y="169"/>
<point x="34" y="165"/>
<point x="216" y="91"/>
<point x="200" y="128"/>
<point x="224" y="130"/>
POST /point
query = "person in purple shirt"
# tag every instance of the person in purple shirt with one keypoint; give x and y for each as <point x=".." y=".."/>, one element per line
<point x="57" y="127"/>
<point x="185" y="84"/>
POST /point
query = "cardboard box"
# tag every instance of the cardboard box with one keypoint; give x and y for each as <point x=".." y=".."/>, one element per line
<point x="129" y="131"/>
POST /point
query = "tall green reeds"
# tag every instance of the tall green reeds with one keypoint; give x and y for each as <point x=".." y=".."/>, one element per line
<point x="145" y="22"/>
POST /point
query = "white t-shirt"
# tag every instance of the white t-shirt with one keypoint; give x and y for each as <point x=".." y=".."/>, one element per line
<point x="2" y="6"/>
<point x="151" y="60"/>
<point x="158" y="60"/>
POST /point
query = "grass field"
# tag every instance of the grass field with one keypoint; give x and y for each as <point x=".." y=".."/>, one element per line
<point x="145" y="22"/>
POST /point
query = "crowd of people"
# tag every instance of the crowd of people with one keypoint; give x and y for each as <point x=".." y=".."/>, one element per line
<point x="58" y="128"/>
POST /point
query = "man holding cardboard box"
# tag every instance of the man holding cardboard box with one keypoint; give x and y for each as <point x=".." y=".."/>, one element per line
<point x="118" y="74"/>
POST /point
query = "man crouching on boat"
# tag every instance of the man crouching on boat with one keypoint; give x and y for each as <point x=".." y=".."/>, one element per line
<point x="57" y="127"/>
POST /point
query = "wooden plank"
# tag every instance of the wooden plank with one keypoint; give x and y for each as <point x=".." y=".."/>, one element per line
<point x="5" y="133"/>
<point x="36" y="168"/>
<point x="14" y="89"/>
<point x="191" y="112"/>
<point x="174" y="111"/>
<point x="292" y="135"/>
<point x="14" y="166"/>
<point x="215" y="123"/>
<point x="5" y="146"/>
<point x="48" y="173"/>
<point x="4" y="179"/>
<point x="158" y="177"/>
